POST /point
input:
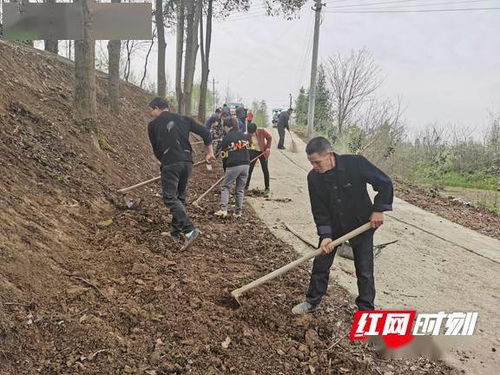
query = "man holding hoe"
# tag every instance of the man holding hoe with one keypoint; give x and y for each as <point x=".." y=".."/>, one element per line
<point x="340" y="203"/>
<point x="169" y="136"/>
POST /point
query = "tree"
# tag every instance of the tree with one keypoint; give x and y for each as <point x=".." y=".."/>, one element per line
<point x="146" y="60"/>
<point x="352" y="81"/>
<point x="323" y="118"/>
<point x="85" y="80"/>
<point x="114" y="49"/>
<point x="51" y="45"/>
<point x="162" y="48"/>
<point x="193" y="15"/>
<point x="205" y="58"/>
<point x="178" y="55"/>
<point x="260" y="114"/>
<point x="301" y="107"/>
<point x="323" y="108"/>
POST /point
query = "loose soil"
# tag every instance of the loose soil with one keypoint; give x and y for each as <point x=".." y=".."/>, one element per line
<point x="448" y="206"/>
<point x="90" y="287"/>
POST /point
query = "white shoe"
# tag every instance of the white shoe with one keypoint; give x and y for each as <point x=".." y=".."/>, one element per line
<point x="237" y="214"/>
<point x="221" y="214"/>
<point x="304" y="308"/>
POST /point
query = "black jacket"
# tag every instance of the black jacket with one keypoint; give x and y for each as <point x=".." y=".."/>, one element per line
<point x="339" y="198"/>
<point x="234" y="149"/>
<point x="169" y="136"/>
<point x="283" y="120"/>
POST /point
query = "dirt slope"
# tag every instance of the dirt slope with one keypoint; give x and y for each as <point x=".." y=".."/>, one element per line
<point x="116" y="298"/>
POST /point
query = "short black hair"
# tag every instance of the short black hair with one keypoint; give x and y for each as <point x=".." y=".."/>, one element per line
<point x="158" y="103"/>
<point x="318" y="145"/>
<point x="217" y="110"/>
<point x="252" y="127"/>
<point x="290" y="110"/>
<point x="230" y="123"/>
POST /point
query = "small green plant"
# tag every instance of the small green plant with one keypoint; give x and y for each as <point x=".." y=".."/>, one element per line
<point x="104" y="145"/>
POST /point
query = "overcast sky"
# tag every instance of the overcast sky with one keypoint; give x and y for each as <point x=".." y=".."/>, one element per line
<point x="444" y="66"/>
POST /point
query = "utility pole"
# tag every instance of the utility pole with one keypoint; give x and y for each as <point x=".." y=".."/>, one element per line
<point x="314" y="67"/>
<point x="290" y="95"/>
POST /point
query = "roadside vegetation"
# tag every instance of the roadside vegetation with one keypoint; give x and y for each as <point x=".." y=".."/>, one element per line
<point x="447" y="161"/>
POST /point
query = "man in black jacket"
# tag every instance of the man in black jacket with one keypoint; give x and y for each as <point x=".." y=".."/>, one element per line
<point x="169" y="136"/>
<point x="283" y="123"/>
<point x="340" y="203"/>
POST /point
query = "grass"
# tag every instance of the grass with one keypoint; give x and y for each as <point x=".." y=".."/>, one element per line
<point x="477" y="180"/>
<point x="489" y="206"/>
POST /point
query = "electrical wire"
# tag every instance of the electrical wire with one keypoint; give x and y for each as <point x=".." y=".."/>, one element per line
<point x="374" y="10"/>
<point x="368" y="5"/>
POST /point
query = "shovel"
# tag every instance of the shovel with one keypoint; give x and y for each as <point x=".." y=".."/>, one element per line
<point x="280" y="271"/>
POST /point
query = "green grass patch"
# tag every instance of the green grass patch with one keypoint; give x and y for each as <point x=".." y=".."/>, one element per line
<point x="477" y="180"/>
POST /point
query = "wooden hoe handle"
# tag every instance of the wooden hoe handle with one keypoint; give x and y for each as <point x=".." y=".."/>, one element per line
<point x="280" y="271"/>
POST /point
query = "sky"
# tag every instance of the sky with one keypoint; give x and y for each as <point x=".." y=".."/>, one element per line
<point x="443" y="66"/>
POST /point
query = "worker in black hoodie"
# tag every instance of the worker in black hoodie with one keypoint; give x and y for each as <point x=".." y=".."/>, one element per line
<point x="169" y="136"/>
<point x="235" y="160"/>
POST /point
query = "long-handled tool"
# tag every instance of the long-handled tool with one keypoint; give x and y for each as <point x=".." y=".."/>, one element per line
<point x="195" y="203"/>
<point x="124" y="190"/>
<point x="345" y="250"/>
<point x="238" y="292"/>
<point x="293" y="147"/>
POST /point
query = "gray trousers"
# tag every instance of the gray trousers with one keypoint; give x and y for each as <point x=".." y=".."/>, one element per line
<point x="238" y="174"/>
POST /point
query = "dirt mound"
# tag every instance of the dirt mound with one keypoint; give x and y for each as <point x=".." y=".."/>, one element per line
<point x="477" y="218"/>
<point x="89" y="287"/>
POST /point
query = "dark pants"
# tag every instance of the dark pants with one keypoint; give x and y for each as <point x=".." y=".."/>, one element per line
<point x="362" y="247"/>
<point x="263" y="163"/>
<point x="174" y="180"/>
<point x="281" y="132"/>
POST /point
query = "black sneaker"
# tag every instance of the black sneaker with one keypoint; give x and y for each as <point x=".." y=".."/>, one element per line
<point x="190" y="238"/>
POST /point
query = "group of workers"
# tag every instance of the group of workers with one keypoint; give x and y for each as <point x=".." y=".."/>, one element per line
<point x="337" y="187"/>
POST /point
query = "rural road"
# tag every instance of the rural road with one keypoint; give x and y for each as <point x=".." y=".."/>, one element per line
<point x="436" y="265"/>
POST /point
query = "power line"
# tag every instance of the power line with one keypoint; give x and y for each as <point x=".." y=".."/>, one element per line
<point x="368" y="5"/>
<point x="410" y="11"/>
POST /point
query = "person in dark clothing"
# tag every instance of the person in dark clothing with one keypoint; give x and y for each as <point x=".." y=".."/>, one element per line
<point x="235" y="160"/>
<point x="283" y="123"/>
<point x="242" y="126"/>
<point x="213" y="119"/>
<point x="169" y="136"/>
<point x="241" y="114"/>
<point x="260" y="146"/>
<point x="225" y="111"/>
<point x="340" y="203"/>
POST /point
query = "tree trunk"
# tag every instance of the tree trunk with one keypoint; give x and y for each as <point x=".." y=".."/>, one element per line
<point x="193" y="21"/>
<point x="205" y="59"/>
<point x="146" y="60"/>
<point x="85" y="80"/>
<point x="51" y="45"/>
<point x="114" y="49"/>
<point x="178" y="57"/>
<point x="162" y="47"/>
